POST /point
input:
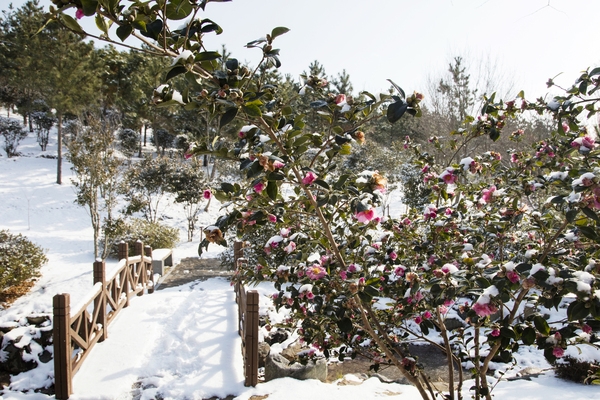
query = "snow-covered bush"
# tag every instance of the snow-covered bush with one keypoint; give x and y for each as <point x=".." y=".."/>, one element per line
<point x="43" y="122"/>
<point x="145" y="184"/>
<point x="130" y="141"/>
<point x="152" y="234"/>
<point x="20" y="259"/>
<point x="13" y="133"/>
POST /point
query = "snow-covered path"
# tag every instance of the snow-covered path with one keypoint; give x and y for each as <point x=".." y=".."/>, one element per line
<point x="181" y="341"/>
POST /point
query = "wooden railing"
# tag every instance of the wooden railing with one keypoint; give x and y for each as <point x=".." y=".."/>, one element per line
<point x="77" y="329"/>
<point x="248" y="321"/>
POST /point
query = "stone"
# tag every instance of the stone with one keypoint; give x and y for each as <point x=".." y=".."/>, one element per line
<point x="278" y="336"/>
<point x="453" y="323"/>
<point x="37" y="319"/>
<point x="263" y="352"/>
<point x="291" y="352"/>
<point x="278" y="366"/>
<point x="13" y="360"/>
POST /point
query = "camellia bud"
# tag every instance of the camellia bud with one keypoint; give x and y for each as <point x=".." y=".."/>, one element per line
<point x="359" y="136"/>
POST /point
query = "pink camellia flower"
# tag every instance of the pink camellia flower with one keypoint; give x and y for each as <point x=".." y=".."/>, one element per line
<point x="427" y="315"/>
<point x="310" y="295"/>
<point x="365" y="216"/>
<point x="399" y="271"/>
<point x="406" y="221"/>
<point x="272" y="218"/>
<point x="278" y="164"/>
<point x="514" y="158"/>
<point x="487" y="194"/>
<point x="584" y="144"/>
<point x="418" y="319"/>
<point x="309" y="178"/>
<point x="448" y="211"/>
<point x="187" y="155"/>
<point x="316" y="272"/>
<point x="259" y="187"/>
<point x="586" y="328"/>
<point x="343" y="275"/>
<point x="284" y="232"/>
<point x="425" y="169"/>
<point x="352" y="268"/>
<point x="207" y="194"/>
<point x="484" y="309"/>
<point x="393" y="255"/>
<point x="512" y="276"/>
<point x="79" y="13"/>
<point x="565" y="127"/>
<point x="495" y="332"/>
<point x="430" y="212"/>
<point x="340" y="98"/>
<point x="241" y="134"/>
<point x="290" y="247"/>
<point x="558" y="352"/>
<point x="448" y="176"/>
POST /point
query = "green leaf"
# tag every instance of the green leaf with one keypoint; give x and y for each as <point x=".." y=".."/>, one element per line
<point x="124" y="31"/>
<point x="590" y="214"/>
<point x="396" y="110"/>
<point x="528" y="336"/>
<point x="207" y="56"/>
<point x="178" y="9"/>
<point x="541" y="325"/>
<point x="228" y="116"/>
<point x="571" y="214"/>
<point x="227" y="187"/>
<point x="176" y="70"/>
<point x="71" y="23"/>
<point x="272" y="190"/>
<point x="252" y="110"/>
<point x="89" y="7"/>
<point x="398" y="88"/>
<point x="494" y="133"/>
<point x="322" y="183"/>
<point x="280" y="30"/>
<point x="577" y="311"/>
<point x="371" y="291"/>
<point x="589" y="232"/>
<point x="101" y="24"/>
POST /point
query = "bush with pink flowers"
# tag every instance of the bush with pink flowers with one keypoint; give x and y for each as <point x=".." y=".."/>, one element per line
<point x="500" y="241"/>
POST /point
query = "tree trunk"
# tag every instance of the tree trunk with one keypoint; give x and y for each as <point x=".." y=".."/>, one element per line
<point x="59" y="153"/>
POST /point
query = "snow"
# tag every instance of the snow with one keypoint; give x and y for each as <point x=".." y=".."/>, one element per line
<point x="182" y="342"/>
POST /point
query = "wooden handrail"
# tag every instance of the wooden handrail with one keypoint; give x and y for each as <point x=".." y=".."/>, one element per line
<point x="247" y="321"/>
<point x="76" y="332"/>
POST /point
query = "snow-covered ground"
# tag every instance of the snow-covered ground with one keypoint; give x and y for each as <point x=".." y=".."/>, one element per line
<point x="180" y="342"/>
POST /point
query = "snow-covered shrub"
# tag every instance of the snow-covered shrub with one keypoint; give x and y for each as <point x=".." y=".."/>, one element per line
<point x="43" y="122"/>
<point x="153" y="234"/>
<point x="162" y="139"/>
<point x="129" y="141"/>
<point x="13" y="133"/>
<point x="20" y="259"/>
<point x="576" y="370"/>
<point x="145" y="184"/>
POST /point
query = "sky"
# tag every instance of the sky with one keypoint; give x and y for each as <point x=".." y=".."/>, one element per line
<point x="180" y="342"/>
<point x="524" y="42"/>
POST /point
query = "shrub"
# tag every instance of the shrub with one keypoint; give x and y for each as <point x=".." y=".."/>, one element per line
<point x="151" y="234"/>
<point x="13" y="133"/>
<point x="20" y="259"/>
<point x="130" y="141"/>
<point x="43" y="123"/>
<point x="575" y="370"/>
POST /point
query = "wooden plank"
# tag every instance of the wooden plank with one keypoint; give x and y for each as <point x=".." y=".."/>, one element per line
<point x="251" y="338"/>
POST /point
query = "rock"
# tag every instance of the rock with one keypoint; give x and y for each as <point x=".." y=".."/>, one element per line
<point x="278" y="366"/>
<point x="13" y="360"/>
<point x="37" y="319"/>
<point x="278" y="336"/>
<point x="45" y="356"/>
<point x="291" y="352"/>
<point x="453" y="323"/>
<point x="263" y="352"/>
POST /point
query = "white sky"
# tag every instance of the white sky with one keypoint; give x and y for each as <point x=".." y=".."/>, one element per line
<point x="527" y="40"/>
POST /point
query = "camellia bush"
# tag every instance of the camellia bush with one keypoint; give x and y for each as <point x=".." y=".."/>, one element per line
<point x="501" y="240"/>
